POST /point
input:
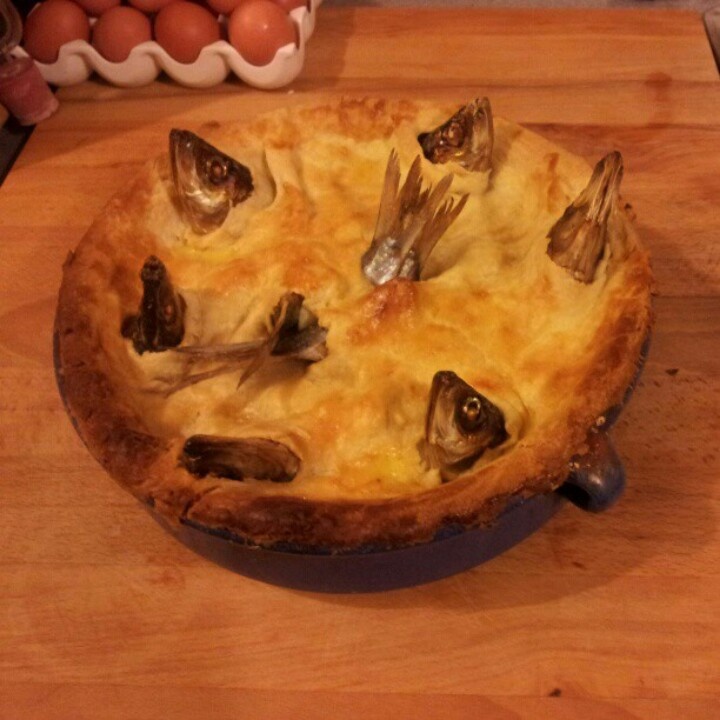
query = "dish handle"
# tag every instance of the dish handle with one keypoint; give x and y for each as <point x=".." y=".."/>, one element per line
<point x="597" y="478"/>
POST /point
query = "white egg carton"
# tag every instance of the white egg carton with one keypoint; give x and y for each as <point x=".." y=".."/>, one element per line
<point x="77" y="60"/>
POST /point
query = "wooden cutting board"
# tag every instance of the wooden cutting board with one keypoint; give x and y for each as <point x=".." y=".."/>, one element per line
<point x="103" y="615"/>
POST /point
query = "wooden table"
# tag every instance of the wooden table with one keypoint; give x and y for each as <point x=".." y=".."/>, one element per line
<point x="103" y="615"/>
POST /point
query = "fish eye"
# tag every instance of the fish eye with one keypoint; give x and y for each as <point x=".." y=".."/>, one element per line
<point x="455" y="134"/>
<point x="472" y="407"/>
<point x="471" y="414"/>
<point x="217" y="170"/>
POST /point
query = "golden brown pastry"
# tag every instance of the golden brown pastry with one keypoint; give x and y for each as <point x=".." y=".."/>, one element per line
<point x="378" y="338"/>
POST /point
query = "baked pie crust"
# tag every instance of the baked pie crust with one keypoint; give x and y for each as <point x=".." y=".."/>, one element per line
<point x="553" y="353"/>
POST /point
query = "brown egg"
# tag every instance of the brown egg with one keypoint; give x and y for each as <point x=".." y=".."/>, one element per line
<point x="118" y="31"/>
<point x="288" y="5"/>
<point x="258" y="28"/>
<point x="224" y="7"/>
<point x="149" y="6"/>
<point x="97" y="7"/>
<point x="183" y="29"/>
<point x="51" y="25"/>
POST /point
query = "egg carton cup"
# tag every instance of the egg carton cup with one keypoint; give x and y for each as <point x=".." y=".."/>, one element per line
<point x="77" y="60"/>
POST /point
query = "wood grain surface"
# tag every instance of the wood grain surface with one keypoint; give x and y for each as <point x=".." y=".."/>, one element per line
<point x="103" y="615"/>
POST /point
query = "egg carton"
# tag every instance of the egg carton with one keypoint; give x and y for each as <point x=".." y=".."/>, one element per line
<point x="77" y="60"/>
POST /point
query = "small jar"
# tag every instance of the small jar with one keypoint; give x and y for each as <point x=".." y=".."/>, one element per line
<point x="24" y="92"/>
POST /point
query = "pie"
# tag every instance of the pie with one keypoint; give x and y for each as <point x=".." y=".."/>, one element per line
<point x="352" y="325"/>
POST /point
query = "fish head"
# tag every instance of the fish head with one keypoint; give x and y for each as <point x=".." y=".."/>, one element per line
<point x="208" y="183"/>
<point x="460" y="424"/>
<point x="160" y="323"/>
<point x="466" y="138"/>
